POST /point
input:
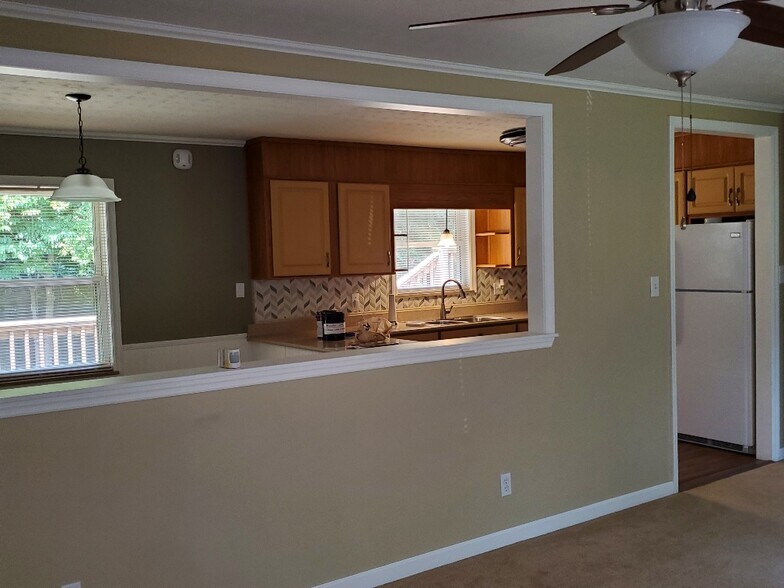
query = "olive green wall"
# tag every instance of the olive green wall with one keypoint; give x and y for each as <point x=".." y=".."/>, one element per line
<point x="297" y="483"/>
<point x="181" y="235"/>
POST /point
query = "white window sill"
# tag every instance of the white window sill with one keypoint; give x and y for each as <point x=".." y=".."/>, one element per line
<point x="84" y="394"/>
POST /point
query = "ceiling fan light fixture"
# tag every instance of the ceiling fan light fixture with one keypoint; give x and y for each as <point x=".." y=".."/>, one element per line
<point x="687" y="41"/>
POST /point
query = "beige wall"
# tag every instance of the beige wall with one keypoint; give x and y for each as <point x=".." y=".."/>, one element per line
<point x="182" y="235"/>
<point x="298" y="483"/>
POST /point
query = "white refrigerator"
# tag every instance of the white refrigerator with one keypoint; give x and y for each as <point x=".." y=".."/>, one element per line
<point x="714" y="291"/>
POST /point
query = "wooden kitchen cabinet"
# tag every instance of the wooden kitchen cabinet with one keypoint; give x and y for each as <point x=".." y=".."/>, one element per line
<point x="520" y="236"/>
<point x="365" y="229"/>
<point x="744" y="189"/>
<point x="722" y="191"/>
<point x="680" y="196"/>
<point x="701" y="151"/>
<point x="300" y="228"/>
<point x="712" y="187"/>
<point x="493" y="230"/>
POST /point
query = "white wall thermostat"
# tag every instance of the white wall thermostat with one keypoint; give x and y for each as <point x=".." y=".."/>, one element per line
<point x="182" y="159"/>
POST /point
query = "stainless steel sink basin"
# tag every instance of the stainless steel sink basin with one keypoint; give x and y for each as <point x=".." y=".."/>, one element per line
<point x="464" y="320"/>
<point x="483" y="319"/>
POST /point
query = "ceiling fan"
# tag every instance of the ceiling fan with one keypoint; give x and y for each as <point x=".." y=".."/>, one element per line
<point x="681" y="38"/>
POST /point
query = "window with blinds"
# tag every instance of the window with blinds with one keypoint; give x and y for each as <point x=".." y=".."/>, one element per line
<point x="423" y="261"/>
<point x="55" y="306"/>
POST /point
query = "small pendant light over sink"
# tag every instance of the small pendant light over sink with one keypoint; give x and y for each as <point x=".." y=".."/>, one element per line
<point x="83" y="186"/>
<point x="447" y="240"/>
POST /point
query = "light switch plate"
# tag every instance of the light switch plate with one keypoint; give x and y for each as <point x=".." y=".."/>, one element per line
<point x="239" y="289"/>
<point x="654" y="286"/>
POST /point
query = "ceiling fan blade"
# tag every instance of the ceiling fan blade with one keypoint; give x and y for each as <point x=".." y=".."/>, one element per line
<point x="588" y="53"/>
<point x="603" y="9"/>
<point x="767" y="22"/>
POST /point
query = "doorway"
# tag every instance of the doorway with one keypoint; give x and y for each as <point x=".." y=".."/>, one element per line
<point x="765" y="284"/>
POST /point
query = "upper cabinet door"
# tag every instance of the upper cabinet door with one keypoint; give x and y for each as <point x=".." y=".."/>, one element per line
<point x="714" y="189"/>
<point x="520" y="237"/>
<point x="680" y="196"/>
<point x="744" y="188"/>
<point x="365" y="224"/>
<point x="300" y="228"/>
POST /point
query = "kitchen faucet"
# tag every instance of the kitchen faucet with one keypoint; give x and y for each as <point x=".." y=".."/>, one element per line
<point x="444" y="311"/>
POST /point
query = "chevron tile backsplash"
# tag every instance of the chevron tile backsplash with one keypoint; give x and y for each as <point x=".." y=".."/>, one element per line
<point x="297" y="297"/>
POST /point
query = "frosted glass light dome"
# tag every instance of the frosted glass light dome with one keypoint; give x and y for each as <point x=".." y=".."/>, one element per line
<point x="689" y="41"/>
<point x="82" y="187"/>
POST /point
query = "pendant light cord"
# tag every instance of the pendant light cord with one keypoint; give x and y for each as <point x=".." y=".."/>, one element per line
<point x="82" y="159"/>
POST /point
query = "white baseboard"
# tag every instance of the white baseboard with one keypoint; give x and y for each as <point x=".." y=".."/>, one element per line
<point x="446" y="555"/>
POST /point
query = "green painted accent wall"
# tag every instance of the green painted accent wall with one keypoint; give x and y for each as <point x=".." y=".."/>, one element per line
<point x="182" y="236"/>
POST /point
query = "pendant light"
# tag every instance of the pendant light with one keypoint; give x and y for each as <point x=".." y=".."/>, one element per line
<point x="447" y="240"/>
<point x="83" y="186"/>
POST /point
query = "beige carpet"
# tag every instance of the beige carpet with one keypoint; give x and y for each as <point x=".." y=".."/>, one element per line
<point x="726" y="534"/>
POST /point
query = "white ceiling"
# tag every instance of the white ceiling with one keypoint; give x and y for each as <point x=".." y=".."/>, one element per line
<point x="749" y="71"/>
<point x="38" y="104"/>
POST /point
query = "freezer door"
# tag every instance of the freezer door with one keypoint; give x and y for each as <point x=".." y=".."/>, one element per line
<point x="715" y="256"/>
<point x="715" y="366"/>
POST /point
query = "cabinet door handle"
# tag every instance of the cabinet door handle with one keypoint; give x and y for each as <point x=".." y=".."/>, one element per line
<point x="327" y="258"/>
<point x="730" y="199"/>
<point x="737" y="197"/>
<point x="519" y="253"/>
<point x="389" y="258"/>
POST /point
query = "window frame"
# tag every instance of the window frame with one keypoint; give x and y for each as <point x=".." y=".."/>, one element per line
<point x="451" y="288"/>
<point x="44" y="183"/>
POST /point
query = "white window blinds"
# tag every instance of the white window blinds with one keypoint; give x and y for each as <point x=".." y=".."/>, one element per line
<point x="55" y="308"/>
<point x="422" y="261"/>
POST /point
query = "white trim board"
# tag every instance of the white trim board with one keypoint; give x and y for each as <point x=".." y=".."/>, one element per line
<point x="447" y="555"/>
<point x="146" y="27"/>
<point x="766" y="280"/>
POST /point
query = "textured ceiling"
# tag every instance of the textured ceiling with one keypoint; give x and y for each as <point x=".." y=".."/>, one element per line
<point x="39" y="104"/>
<point x="748" y="72"/>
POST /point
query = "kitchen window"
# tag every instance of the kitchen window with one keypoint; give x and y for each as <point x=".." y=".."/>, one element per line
<point x="423" y="259"/>
<point x="55" y="287"/>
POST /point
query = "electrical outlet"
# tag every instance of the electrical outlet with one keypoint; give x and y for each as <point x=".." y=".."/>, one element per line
<point x="239" y="290"/>
<point x="506" y="484"/>
<point x="356" y="300"/>
<point x="498" y="287"/>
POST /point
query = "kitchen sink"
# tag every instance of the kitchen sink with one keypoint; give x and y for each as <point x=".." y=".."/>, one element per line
<point x="483" y="319"/>
<point x="464" y="320"/>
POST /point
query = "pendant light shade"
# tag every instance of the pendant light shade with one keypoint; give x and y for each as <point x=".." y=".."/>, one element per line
<point x="686" y="41"/>
<point x="447" y="240"/>
<point x="80" y="187"/>
<point x="83" y="186"/>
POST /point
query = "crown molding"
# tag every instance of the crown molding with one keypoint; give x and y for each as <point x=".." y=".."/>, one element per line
<point x="146" y="27"/>
<point x="109" y="136"/>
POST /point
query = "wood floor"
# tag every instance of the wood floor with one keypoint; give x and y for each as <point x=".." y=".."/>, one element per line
<point x="699" y="465"/>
